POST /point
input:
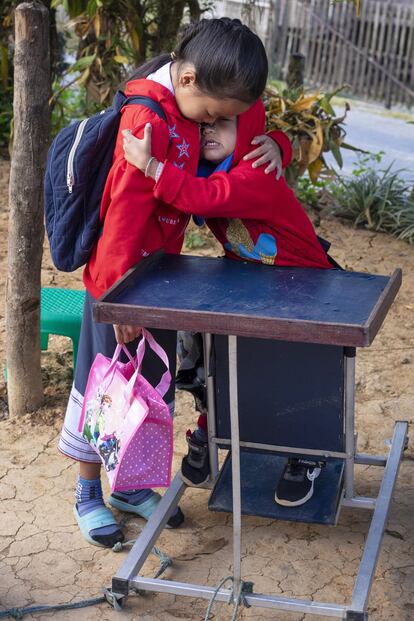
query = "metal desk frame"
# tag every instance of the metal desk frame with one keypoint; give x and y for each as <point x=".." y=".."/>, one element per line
<point x="127" y="578"/>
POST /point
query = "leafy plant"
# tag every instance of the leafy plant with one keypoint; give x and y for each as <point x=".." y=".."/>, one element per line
<point x="6" y="115"/>
<point x="114" y="36"/>
<point x="6" y="76"/>
<point x="365" y="163"/>
<point x="314" y="129"/>
<point x="309" y="192"/>
<point x="380" y="200"/>
<point x="107" y="39"/>
<point x="194" y="239"/>
<point x="6" y="64"/>
<point x="70" y="105"/>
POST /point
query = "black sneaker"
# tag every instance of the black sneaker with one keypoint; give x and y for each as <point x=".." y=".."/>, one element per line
<point x="186" y="379"/>
<point x="296" y="484"/>
<point x="195" y="466"/>
<point x="190" y="382"/>
<point x="200" y="398"/>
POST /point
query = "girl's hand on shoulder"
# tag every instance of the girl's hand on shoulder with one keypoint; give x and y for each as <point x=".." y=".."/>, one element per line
<point x="138" y="151"/>
<point x="126" y="334"/>
<point x="267" y="153"/>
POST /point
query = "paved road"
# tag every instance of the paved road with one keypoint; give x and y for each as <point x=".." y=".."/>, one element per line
<point x="371" y="129"/>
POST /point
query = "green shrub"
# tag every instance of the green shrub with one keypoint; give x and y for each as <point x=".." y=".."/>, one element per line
<point x="70" y="104"/>
<point x="309" y="192"/>
<point x="194" y="239"/>
<point x="379" y="200"/>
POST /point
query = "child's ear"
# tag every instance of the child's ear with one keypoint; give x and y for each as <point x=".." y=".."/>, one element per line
<point x="187" y="77"/>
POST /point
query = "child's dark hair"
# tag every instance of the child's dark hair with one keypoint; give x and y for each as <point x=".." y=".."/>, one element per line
<point x="229" y="59"/>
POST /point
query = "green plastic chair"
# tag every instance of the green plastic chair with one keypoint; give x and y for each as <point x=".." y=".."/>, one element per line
<point x="61" y="313"/>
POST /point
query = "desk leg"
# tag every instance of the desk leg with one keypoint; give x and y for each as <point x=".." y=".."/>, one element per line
<point x="148" y="536"/>
<point x="211" y="414"/>
<point x="349" y="407"/>
<point x="235" y="462"/>
<point x="373" y="542"/>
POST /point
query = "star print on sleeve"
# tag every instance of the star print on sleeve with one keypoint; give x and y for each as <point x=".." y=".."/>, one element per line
<point x="177" y="165"/>
<point x="172" y="132"/>
<point x="183" y="148"/>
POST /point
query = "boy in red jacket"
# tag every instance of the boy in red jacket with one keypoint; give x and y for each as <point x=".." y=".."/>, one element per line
<point x="256" y="217"/>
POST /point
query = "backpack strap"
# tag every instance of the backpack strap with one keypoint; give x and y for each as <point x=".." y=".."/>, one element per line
<point x="149" y="103"/>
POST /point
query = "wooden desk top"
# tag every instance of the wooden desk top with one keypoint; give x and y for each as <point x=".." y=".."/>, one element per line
<point x="221" y="296"/>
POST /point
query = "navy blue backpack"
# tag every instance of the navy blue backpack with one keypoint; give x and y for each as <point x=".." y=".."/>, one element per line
<point x="78" y="163"/>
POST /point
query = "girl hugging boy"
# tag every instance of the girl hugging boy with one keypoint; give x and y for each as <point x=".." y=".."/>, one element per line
<point x="217" y="70"/>
<point x="255" y="217"/>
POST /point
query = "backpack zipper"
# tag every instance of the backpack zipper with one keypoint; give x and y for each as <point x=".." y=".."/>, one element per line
<point x="70" y="179"/>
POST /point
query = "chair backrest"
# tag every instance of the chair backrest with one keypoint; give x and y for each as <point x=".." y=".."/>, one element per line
<point x="289" y="394"/>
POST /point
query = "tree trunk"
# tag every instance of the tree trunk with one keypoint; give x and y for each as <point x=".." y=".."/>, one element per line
<point x="26" y="230"/>
<point x="169" y="18"/>
<point x="195" y="10"/>
<point x="296" y="71"/>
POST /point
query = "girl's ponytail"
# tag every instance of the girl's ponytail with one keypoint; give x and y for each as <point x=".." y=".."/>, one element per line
<point x="229" y="59"/>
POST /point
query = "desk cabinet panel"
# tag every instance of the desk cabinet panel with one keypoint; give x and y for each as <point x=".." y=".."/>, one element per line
<point x="290" y="394"/>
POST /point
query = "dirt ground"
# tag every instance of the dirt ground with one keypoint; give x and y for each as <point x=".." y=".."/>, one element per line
<point x="44" y="559"/>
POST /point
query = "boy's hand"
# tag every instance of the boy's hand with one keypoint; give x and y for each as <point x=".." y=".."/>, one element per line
<point x="267" y="152"/>
<point x="126" y="334"/>
<point x="138" y="151"/>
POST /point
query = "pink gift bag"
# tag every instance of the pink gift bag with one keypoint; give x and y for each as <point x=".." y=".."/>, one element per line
<point x="126" y="420"/>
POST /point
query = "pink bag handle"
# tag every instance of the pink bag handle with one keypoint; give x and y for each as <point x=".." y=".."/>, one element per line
<point x="128" y="355"/>
<point x="165" y="381"/>
<point x="111" y="369"/>
<point x="116" y="355"/>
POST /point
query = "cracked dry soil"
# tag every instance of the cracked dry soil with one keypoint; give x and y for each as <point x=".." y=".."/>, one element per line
<point x="44" y="560"/>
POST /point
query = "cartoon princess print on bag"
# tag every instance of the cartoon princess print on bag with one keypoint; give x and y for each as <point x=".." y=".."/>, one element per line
<point x="97" y="411"/>
<point x="94" y="429"/>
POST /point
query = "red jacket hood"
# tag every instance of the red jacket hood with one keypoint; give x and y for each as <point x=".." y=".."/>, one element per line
<point x="249" y="124"/>
<point x="154" y="90"/>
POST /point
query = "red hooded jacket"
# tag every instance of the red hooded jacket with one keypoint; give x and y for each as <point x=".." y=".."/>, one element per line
<point x="254" y="216"/>
<point x="135" y="222"/>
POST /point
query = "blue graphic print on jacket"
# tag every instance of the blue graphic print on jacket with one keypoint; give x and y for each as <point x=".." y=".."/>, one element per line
<point x="241" y="243"/>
